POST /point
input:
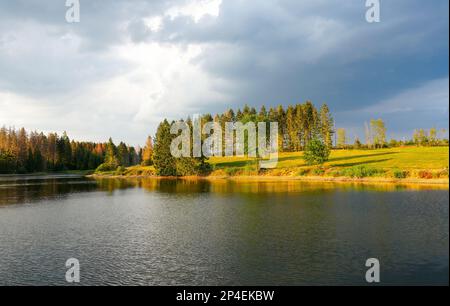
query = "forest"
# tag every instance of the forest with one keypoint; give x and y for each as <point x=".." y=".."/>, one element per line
<point x="28" y="152"/>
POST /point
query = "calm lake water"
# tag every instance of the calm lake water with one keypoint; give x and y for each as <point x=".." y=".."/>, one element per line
<point x="177" y="232"/>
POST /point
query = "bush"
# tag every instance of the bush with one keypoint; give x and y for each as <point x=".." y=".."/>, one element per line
<point x="186" y="166"/>
<point x="424" y="174"/>
<point x="318" y="171"/>
<point x="105" y="167"/>
<point x="302" y="172"/>
<point x="361" y="171"/>
<point x="399" y="174"/>
<point x="120" y="170"/>
<point x="316" y="152"/>
<point x="251" y="168"/>
<point x="7" y="162"/>
<point x="443" y="173"/>
<point x="231" y="171"/>
<point x="335" y="173"/>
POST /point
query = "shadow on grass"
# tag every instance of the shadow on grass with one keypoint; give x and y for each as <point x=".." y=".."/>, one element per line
<point x="232" y="164"/>
<point x="286" y="158"/>
<point x="243" y="163"/>
<point x="360" y="156"/>
<point x="373" y="161"/>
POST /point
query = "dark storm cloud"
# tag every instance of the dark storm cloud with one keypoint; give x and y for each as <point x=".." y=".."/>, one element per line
<point x="271" y="52"/>
<point x="285" y="51"/>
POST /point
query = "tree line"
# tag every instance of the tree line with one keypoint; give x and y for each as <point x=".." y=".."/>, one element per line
<point x="375" y="138"/>
<point x="298" y="125"/>
<point x="27" y="152"/>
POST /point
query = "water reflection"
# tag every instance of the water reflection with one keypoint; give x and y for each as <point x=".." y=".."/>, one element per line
<point x="25" y="189"/>
<point x="186" y="185"/>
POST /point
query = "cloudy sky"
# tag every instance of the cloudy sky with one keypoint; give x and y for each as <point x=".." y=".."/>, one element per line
<point x="129" y="63"/>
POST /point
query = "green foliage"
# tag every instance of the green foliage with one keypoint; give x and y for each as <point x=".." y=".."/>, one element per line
<point x="187" y="166"/>
<point x="316" y="152"/>
<point x="7" y="162"/>
<point x="326" y="125"/>
<point x="36" y="152"/>
<point x="302" y="172"/>
<point x="361" y="172"/>
<point x="123" y="155"/>
<point x="444" y="172"/>
<point x="357" y="145"/>
<point x="231" y="171"/>
<point x="105" y="167"/>
<point x="120" y="170"/>
<point x="378" y="133"/>
<point x="399" y="174"/>
<point x="341" y="138"/>
<point x="318" y="171"/>
<point x="164" y="162"/>
<point x="252" y="167"/>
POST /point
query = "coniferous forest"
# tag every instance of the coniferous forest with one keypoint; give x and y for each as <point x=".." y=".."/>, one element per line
<point x="28" y="152"/>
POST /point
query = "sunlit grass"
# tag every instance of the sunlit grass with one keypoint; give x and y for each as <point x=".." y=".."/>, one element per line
<point x="389" y="160"/>
<point x="405" y="162"/>
<point x="405" y="158"/>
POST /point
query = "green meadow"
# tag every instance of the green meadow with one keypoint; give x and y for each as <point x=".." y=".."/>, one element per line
<point x="407" y="158"/>
<point x="397" y="163"/>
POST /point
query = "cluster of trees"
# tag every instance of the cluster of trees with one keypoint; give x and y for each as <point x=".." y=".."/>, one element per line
<point x="298" y="125"/>
<point x="23" y="152"/>
<point x="422" y="137"/>
<point x="376" y="138"/>
<point x="375" y="134"/>
<point x="119" y="156"/>
<point x="167" y="165"/>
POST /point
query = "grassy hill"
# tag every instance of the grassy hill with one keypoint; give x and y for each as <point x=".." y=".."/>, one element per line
<point x="399" y="163"/>
<point x="408" y="159"/>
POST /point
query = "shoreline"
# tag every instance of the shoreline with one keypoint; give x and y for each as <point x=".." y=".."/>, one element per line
<point x="312" y="179"/>
<point x="255" y="178"/>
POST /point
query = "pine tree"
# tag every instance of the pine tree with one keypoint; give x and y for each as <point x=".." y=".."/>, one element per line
<point x="111" y="155"/>
<point x="341" y="138"/>
<point x="326" y="126"/>
<point x="123" y="155"/>
<point x="163" y="160"/>
<point x="147" y="152"/>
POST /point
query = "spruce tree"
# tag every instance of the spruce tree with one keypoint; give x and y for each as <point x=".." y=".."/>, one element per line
<point x="165" y="163"/>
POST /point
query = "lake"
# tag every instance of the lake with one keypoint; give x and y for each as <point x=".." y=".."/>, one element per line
<point x="223" y="232"/>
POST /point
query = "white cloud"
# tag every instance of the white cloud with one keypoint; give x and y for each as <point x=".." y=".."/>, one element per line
<point x="160" y="82"/>
<point x="196" y="9"/>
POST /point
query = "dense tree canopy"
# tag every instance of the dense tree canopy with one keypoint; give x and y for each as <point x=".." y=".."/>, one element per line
<point x="23" y="152"/>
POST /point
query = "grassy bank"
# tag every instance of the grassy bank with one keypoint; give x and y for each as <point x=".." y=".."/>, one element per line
<point x="415" y="164"/>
